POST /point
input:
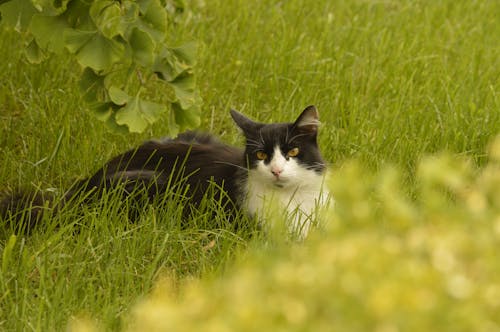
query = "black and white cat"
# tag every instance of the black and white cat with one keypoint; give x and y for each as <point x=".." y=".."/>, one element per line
<point x="285" y="169"/>
<point x="280" y="167"/>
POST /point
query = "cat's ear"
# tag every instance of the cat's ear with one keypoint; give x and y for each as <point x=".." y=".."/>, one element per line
<point x="308" y="120"/>
<point x="244" y="123"/>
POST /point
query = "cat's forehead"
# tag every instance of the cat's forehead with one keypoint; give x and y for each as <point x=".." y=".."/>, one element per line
<point x="275" y="133"/>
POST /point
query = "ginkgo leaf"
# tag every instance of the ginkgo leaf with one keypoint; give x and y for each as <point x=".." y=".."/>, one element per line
<point x="173" y="62"/>
<point x="142" y="46"/>
<point x="152" y="111"/>
<point x="184" y="88"/>
<point x="186" y="53"/>
<point x="78" y="16"/>
<point x="186" y="118"/>
<point x="92" y="86"/>
<point x="17" y="14"/>
<point x="143" y="5"/>
<point x="107" y="16"/>
<point x="165" y="69"/>
<point x="74" y="39"/>
<point x="130" y="10"/>
<point x="102" y="111"/>
<point x="137" y="114"/>
<point x="118" y="96"/>
<point x="33" y="52"/>
<point x="48" y="32"/>
<point x="50" y="7"/>
<point x="112" y="125"/>
<point x="93" y="49"/>
<point x="153" y="19"/>
<point x="105" y="112"/>
<point x="100" y="53"/>
<point x="155" y="15"/>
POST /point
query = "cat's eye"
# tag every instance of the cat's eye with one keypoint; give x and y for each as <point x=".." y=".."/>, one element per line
<point x="261" y="155"/>
<point x="293" y="152"/>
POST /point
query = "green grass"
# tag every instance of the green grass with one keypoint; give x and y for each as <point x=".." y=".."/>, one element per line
<point x="393" y="81"/>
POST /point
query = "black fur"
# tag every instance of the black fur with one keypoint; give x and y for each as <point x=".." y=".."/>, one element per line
<point x="26" y="207"/>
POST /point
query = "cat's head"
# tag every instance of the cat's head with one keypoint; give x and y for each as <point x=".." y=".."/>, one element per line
<point x="283" y="154"/>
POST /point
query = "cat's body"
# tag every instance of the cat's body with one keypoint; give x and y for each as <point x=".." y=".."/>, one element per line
<point x="193" y="161"/>
<point x="280" y="166"/>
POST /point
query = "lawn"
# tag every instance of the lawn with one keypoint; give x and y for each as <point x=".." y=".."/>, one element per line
<point x="394" y="81"/>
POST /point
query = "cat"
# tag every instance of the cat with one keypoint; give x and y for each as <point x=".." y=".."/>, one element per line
<point x="280" y="166"/>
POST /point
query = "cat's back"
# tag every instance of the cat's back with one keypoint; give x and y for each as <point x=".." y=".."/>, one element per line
<point x="197" y="150"/>
<point x="191" y="151"/>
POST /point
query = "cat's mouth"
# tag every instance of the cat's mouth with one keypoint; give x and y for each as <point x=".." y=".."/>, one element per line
<point x="280" y="182"/>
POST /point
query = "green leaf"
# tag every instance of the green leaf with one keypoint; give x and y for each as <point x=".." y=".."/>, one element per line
<point x="92" y="86"/>
<point x="130" y="11"/>
<point x="143" y="5"/>
<point x="186" y="118"/>
<point x="17" y="14"/>
<point x="153" y="19"/>
<point x="50" y="7"/>
<point x="77" y="15"/>
<point x="115" y="127"/>
<point x="100" y="53"/>
<point x="184" y="88"/>
<point x="105" y="112"/>
<point x="142" y="46"/>
<point x="33" y="53"/>
<point x="172" y="62"/>
<point x="102" y="111"/>
<point x="48" y="32"/>
<point x="131" y="117"/>
<point x="165" y="69"/>
<point x="155" y="16"/>
<point x="152" y="111"/>
<point x="118" y="96"/>
<point x="137" y="114"/>
<point x="186" y="53"/>
<point x="74" y="39"/>
<point x="173" y="127"/>
<point x="107" y="17"/>
<point x="93" y="49"/>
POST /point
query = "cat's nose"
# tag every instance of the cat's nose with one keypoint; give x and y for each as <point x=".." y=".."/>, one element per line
<point x="276" y="172"/>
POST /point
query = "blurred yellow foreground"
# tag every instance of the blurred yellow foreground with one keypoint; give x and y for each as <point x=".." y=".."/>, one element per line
<point x="382" y="262"/>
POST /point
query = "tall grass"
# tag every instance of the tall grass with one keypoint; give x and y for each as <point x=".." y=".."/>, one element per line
<point x="393" y="81"/>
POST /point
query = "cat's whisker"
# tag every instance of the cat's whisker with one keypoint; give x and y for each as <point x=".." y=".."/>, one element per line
<point x="253" y="141"/>
<point x="315" y="165"/>
<point x="256" y="145"/>
<point x="261" y="138"/>
<point x="295" y="137"/>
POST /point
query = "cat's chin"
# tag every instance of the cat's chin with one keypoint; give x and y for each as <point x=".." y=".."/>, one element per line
<point x="282" y="183"/>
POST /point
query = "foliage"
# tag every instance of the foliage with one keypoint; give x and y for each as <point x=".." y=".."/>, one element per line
<point x="122" y="48"/>
<point x="384" y="263"/>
